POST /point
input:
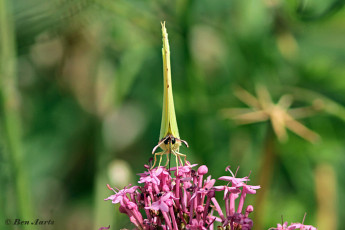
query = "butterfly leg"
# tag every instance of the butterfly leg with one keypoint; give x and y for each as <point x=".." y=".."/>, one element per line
<point x="154" y="163"/>
<point x="179" y="159"/>
<point x="160" y="160"/>
<point x="182" y="155"/>
<point x="167" y="160"/>
<point x="176" y="163"/>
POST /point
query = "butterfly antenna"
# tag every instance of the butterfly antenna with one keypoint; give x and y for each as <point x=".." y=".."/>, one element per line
<point x="170" y="159"/>
<point x="169" y="163"/>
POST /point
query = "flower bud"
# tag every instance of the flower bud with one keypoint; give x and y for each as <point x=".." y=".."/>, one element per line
<point x="211" y="193"/>
<point x="122" y="209"/>
<point x="200" y="209"/>
<point x="147" y="166"/>
<point x="202" y="170"/>
<point x="250" y="208"/>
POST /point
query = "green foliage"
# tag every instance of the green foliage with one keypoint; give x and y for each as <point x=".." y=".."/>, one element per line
<point x="88" y="74"/>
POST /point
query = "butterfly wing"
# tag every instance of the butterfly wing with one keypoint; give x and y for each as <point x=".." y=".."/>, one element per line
<point x="169" y="124"/>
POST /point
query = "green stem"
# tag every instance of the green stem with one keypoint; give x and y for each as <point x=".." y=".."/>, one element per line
<point x="265" y="176"/>
<point x="103" y="211"/>
<point x="319" y="100"/>
<point x="11" y="114"/>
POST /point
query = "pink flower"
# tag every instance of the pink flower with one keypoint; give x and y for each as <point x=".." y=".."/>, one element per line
<point x="101" y="228"/>
<point x="283" y="227"/>
<point x="161" y="170"/>
<point x="196" y="225"/>
<point x="208" y="183"/>
<point x="202" y="170"/>
<point x="227" y="190"/>
<point x="247" y="189"/>
<point x="161" y="204"/>
<point x="235" y="181"/>
<point x="188" y="200"/>
<point x="303" y="227"/>
<point x="118" y="196"/>
<point x="294" y="226"/>
<point x="184" y="169"/>
<point x="250" y="189"/>
<point x="151" y="178"/>
<point x="205" y="189"/>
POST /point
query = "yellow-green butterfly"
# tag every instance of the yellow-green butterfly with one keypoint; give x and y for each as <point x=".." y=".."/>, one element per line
<point x="169" y="137"/>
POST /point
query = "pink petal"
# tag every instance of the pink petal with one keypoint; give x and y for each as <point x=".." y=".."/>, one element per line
<point x="158" y="171"/>
<point x="210" y="183"/>
<point x="164" y="207"/>
<point x="112" y="197"/>
<point x="219" y="188"/>
<point x="154" y="206"/>
<point x="230" y="178"/>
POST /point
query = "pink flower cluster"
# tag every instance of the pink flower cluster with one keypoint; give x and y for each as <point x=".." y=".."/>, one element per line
<point x="186" y="201"/>
<point x="293" y="226"/>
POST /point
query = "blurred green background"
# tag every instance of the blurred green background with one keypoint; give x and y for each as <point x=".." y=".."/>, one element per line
<point x="81" y="96"/>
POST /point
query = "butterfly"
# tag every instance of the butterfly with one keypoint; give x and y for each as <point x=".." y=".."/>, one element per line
<point x="170" y="141"/>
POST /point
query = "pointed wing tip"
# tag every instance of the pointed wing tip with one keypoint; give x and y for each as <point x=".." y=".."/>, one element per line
<point x="164" y="30"/>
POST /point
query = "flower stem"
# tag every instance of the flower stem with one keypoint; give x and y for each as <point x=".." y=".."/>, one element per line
<point x="265" y="177"/>
<point x="219" y="210"/>
<point x="241" y="203"/>
<point x="167" y="220"/>
<point x="232" y="198"/>
<point x="208" y="201"/>
<point x="11" y="115"/>
<point x="172" y="214"/>
<point x="326" y="194"/>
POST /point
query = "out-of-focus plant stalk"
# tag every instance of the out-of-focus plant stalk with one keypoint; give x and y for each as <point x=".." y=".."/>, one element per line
<point x="320" y="101"/>
<point x="10" y="120"/>
<point x="102" y="213"/>
<point x="325" y="180"/>
<point x="265" y="176"/>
